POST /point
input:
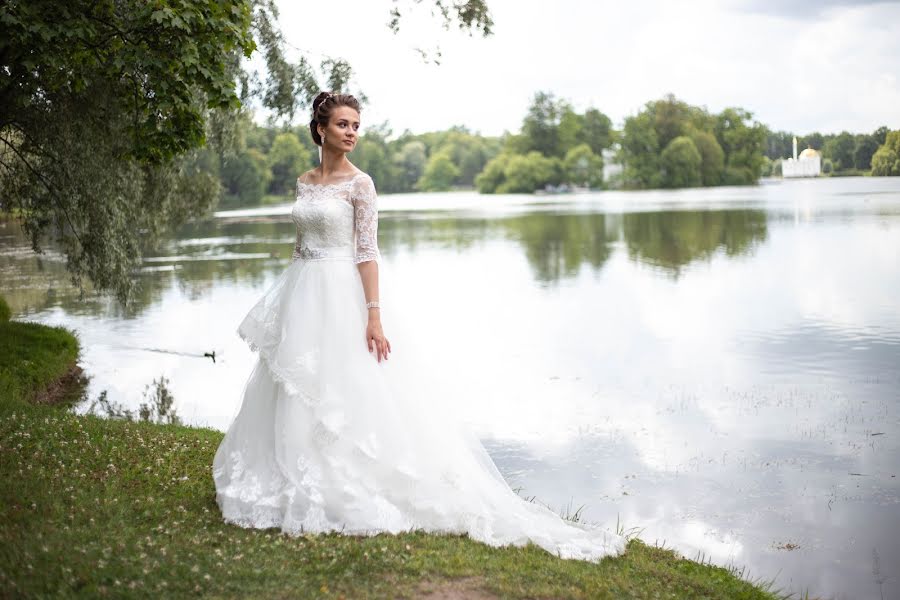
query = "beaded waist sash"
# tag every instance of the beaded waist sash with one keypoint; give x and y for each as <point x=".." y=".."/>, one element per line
<point x="325" y="253"/>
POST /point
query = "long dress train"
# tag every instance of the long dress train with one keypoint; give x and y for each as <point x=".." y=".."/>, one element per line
<point x="325" y="441"/>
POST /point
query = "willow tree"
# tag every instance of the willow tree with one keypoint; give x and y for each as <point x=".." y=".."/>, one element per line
<point x="106" y="103"/>
<point x="886" y="161"/>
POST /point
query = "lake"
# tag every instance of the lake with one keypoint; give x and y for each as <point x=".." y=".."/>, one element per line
<point x="718" y="369"/>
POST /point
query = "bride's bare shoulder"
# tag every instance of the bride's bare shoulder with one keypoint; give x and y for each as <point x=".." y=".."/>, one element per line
<point x="357" y="172"/>
<point x="308" y="177"/>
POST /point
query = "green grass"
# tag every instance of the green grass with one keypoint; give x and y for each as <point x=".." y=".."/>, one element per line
<point x="34" y="358"/>
<point x="92" y="506"/>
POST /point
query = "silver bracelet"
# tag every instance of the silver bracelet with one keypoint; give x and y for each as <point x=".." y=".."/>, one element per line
<point x="373" y="304"/>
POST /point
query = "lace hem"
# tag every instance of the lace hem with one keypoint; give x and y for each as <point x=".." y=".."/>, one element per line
<point x="595" y="543"/>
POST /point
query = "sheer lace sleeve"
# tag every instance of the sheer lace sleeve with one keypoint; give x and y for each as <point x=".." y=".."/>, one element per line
<point x="365" y="210"/>
<point x="296" y="252"/>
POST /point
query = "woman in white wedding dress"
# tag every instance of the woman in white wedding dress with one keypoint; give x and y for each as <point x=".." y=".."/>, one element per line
<point x="328" y="437"/>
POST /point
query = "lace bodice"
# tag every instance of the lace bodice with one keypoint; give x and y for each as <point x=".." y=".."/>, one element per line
<point x="336" y="219"/>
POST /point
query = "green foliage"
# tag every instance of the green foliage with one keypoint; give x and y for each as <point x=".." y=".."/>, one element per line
<point x="840" y="149"/>
<point x="742" y="140"/>
<point x="640" y="152"/>
<point x="827" y="166"/>
<point x="5" y="313"/>
<point x="468" y="14"/>
<point x="98" y="138"/>
<point x="467" y="151"/>
<point x="107" y="103"/>
<point x="729" y="144"/>
<point x="582" y="167"/>
<point x="540" y="129"/>
<point x="886" y="161"/>
<point x="410" y="164"/>
<point x="556" y="145"/>
<point x="596" y="131"/>
<point x="494" y="174"/>
<point x="287" y="160"/>
<point x="519" y="173"/>
<point x="159" y="405"/>
<point x="712" y="156"/>
<point x="866" y="146"/>
<point x="738" y="176"/>
<point x="56" y="53"/>
<point x="570" y="130"/>
<point x="813" y="140"/>
<point x="373" y="155"/>
<point x="671" y="118"/>
<point x="440" y="173"/>
<point x="552" y="128"/>
<point x="681" y="162"/>
<point x="246" y="176"/>
<point x="779" y="144"/>
<point x="529" y="172"/>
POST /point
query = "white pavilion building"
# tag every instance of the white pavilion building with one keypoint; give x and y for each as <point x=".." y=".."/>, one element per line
<point x="808" y="164"/>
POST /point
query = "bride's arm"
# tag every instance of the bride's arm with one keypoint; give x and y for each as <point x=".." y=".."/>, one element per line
<point x="368" y="272"/>
<point x="367" y="255"/>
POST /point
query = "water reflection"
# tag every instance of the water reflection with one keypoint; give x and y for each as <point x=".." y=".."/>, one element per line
<point x="673" y="239"/>
<point x="556" y="244"/>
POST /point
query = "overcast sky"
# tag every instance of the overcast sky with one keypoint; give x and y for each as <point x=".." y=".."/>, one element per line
<point x="823" y="65"/>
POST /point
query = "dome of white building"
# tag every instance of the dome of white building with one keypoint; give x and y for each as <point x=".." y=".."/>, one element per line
<point x="808" y="164"/>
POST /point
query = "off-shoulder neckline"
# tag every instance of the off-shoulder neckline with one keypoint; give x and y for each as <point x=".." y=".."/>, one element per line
<point x="332" y="184"/>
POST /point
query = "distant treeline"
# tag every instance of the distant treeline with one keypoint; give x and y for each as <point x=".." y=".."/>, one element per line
<point x="269" y="160"/>
<point x="667" y="144"/>
<point x="842" y="153"/>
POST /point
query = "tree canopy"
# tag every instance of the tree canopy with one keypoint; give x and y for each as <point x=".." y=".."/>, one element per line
<point x="556" y="145"/>
<point x="729" y="145"/>
<point x="108" y="104"/>
<point x="886" y="161"/>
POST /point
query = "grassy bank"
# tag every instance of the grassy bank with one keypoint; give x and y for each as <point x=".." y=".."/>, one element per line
<point x="36" y="362"/>
<point x="93" y="507"/>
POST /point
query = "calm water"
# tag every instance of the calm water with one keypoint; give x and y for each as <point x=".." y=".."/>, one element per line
<point x="719" y="368"/>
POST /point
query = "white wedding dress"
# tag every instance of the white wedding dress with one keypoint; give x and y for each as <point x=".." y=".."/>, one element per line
<point x="325" y="441"/>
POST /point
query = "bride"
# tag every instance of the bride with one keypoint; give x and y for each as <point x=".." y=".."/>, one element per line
<point x="328" y="437"/>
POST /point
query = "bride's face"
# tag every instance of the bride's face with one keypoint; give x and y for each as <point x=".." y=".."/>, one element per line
<point x="342" y="131"/>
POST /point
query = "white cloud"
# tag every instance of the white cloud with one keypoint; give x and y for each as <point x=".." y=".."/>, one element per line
<point x="831" y="69"/>
<point x="799" y="9"/>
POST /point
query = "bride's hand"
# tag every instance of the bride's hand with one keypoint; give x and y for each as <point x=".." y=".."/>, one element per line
<point x="375" y="336"/>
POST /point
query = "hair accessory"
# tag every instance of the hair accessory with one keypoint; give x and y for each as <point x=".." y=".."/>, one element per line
<point x="325" y="99"/>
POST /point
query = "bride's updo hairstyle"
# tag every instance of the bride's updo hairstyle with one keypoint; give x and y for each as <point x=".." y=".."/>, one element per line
<point x="324" y="103"/>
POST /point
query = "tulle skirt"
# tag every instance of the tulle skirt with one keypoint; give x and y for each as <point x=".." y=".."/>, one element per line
<point x="329" y="439"/>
